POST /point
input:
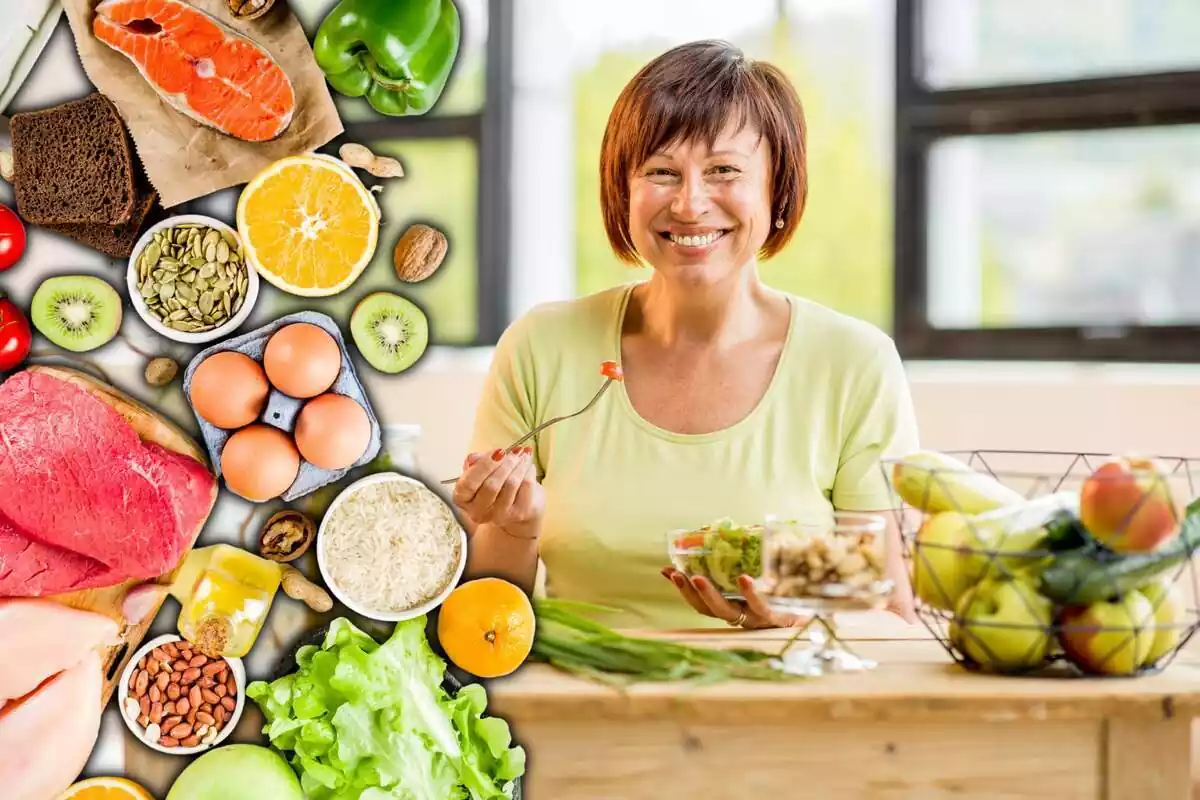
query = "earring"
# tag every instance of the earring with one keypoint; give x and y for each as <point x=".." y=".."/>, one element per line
<point x="779" y="222"/>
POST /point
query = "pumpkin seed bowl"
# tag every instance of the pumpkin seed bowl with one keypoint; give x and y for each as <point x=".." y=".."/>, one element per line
<point x="189" y="281"/>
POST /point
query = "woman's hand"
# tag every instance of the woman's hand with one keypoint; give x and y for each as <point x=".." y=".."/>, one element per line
<point x="501" y="489"/>
<point x="702" y="595"/>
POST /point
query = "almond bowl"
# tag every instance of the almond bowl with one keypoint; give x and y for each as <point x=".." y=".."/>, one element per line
<point x="128" y="699"/>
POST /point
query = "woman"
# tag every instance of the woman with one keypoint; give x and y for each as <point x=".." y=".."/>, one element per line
<point x="738" y="400"/>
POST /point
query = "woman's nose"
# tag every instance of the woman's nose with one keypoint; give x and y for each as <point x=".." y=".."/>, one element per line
<point x="692" y="198"/>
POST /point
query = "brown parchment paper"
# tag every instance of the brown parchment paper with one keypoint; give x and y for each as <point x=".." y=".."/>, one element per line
<point x="183" y="158"/>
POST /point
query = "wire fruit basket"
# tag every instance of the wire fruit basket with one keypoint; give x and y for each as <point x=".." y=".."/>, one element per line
<point x="1052" y="564"/>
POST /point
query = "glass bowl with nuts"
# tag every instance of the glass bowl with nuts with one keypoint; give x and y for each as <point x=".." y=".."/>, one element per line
<point x="189" y="281"/>
<point x="831" y="566"/>
<point x="178" y="701"/>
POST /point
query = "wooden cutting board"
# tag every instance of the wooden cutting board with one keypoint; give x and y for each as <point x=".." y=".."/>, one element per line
<point x="151" y="427"/>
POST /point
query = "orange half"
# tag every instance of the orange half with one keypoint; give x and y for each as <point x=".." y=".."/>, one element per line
<point x="309" y="225"/>
<point x="106" y="789"/>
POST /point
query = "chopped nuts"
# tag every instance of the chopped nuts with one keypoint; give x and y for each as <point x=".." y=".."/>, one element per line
<point x="249" y="9"/>
<point x="799" y="563"/>
<point x="286" y="536"/>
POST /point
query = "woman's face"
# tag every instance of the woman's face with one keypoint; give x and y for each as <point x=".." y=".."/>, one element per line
<point x="701" y="214"/>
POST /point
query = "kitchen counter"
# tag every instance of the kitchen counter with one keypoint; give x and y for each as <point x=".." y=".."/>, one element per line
<point x="917" y="726"/>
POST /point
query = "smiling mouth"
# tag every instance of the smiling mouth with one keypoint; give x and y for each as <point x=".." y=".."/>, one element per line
<point x="696" y="240"/>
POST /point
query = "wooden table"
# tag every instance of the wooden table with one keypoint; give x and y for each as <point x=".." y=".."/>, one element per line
<point x="918" y="726"/>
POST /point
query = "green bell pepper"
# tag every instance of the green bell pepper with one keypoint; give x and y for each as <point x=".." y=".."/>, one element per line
<point x="398" y="53"/>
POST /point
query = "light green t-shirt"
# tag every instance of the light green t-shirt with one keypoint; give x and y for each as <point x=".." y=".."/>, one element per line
<point x="616" y="484"/>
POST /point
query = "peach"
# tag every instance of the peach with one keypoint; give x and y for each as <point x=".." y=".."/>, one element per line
<point x="1127" y="505"/>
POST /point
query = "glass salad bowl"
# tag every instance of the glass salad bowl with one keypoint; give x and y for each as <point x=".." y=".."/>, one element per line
<point x="820" y="569"/>
<point x="721" y="552"/>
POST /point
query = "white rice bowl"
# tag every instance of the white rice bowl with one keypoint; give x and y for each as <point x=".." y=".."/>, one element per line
<point x="390" y="548"/>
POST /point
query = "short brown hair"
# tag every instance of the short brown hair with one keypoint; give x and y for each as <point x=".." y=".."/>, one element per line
<point x="690" y="93"/>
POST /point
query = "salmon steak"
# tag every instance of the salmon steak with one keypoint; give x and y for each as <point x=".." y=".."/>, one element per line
<point x="200" y="66"/>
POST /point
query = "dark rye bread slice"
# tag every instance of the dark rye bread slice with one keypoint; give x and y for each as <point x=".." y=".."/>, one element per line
<point x="116" y="241"/>
<point x="73" y="164"/>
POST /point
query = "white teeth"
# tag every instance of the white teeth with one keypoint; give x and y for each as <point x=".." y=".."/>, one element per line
<point x="697" y="241"/>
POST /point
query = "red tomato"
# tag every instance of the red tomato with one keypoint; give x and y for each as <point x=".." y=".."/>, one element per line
<point x="12" y="238"/>
<point x="612" y="370"/>
<point x="15" y="334"/>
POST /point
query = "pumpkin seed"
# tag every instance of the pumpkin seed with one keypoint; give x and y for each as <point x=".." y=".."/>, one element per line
<point x="166" y="291"/>
<point x="208" y="270"/>
<point x="211" y="237"/>
<point x="206" y="303"/>
<point x="179" y="314"/>
<point x="227" y="305"/>
<point x="174" y="304"/>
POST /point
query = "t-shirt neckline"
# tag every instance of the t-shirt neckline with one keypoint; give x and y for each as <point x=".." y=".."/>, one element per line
<point x="618" y="323"/>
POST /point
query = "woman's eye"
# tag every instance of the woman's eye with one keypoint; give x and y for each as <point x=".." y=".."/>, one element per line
<point x="725" y="169"/>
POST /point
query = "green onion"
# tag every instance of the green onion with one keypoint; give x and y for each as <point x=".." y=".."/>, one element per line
<point x="568" y="640"/>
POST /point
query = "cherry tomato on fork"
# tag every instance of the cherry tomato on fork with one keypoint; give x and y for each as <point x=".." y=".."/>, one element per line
<point x="611" y="369"/>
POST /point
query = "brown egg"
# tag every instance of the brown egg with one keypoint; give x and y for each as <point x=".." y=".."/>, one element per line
<point x="302" y="360"/>
<point x="229" y="389"/>
<point x="333" y="431"/>
<point x="259" y="463"/>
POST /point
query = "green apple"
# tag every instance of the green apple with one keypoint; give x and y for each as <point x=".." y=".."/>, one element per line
<point x="946" y="561"/>
<point x="1003" y="625"/>
<point x="1167" y="601"/>
<point x="1109" y="638"/>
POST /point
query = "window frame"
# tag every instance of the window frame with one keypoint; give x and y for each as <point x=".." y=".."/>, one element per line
<point x="490" y="129"/>
<point x="923" y="116"/>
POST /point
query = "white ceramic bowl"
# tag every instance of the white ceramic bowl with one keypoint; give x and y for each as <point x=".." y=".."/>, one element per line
<point x="239" y="676"/>
<point x="139" y="305"/>
<point x="357" y="606"/>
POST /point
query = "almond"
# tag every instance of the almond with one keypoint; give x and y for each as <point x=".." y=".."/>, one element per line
<point x="419" y="253"/>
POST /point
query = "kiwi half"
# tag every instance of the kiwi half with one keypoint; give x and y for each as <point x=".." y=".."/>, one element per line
<point x="76" y="312"/>
<point x="390" y="331"/>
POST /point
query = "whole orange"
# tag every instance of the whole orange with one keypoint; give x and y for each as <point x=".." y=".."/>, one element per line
<point x="486" y="627"/>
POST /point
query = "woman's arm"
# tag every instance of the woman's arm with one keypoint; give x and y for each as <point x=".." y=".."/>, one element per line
<point x="494" y="553"/>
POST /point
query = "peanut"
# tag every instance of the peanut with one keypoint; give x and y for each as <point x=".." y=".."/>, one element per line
<point x="181" y="730"/>
<point x="156" y="712"/>
<point x="142" y="663"/>
<point x="231" y="685"/>
<point x="227" y="703"/>
<point x="176" y="677"/>
<point x="173" y="691"/>
<point x="205" y="718"/>
<point x="168" y="708"/>
<point x="211" y="697"/>
<point x="213" y="668"/>
<point x="220" y="714"/>
<point x="144" y="705"/>
<point x="191" y="716"/>
<point x="190" y="675"/>
<point x="155" y="695"/>
<point x="171" y="721"/>
<point x="162" y="680"/>
<point x="198" y="661"/>
<point x="190" y="741"/>
<point x="179" y="665"/>
<point x="194" y="697"/>
<point x="139" y="685"/>
<point x="171" y="649"/>
<point x="182" y="706"/>
<point x="167" y="741"/>
<point x="143" y="720"/>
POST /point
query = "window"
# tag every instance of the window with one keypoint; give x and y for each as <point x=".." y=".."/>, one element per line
<point x="455" y="162"/>
<point x="1047" y="180"/>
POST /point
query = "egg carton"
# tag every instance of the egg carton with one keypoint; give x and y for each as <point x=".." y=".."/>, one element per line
<point x="281" y="410"/>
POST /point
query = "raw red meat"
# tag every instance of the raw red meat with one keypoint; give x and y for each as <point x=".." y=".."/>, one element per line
<point x="75" y="477"/>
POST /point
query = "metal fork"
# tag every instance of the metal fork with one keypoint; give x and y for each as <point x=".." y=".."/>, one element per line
<point x="608" y="382"/>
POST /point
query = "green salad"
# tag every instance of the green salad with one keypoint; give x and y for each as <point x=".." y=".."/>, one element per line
<point x="360" y="720"/>
<point x="721" y="552"/>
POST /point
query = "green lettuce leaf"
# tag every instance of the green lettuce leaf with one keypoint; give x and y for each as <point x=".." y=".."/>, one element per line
<point x="361" y="720"/>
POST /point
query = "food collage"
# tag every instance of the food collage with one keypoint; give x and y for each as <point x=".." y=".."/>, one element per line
<point x="105" y="499"/>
